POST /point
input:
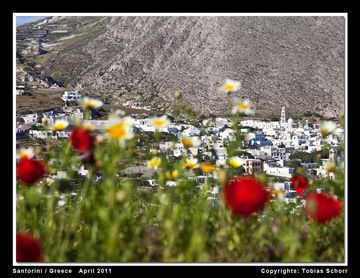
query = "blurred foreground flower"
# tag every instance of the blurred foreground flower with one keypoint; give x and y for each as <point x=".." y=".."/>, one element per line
<point x="235" y="162"/>
<point x="300" y="184"/>
<point x="230" y="86"/>
<point x="90" y="103"/>
<point x="27" y="249"/>
<point x="25" y="153"/>
<point x="81" y="140"/>
<point x="245" y="195"/>
<point x="154" y="163"/>
<point x="207" y="168"/>
<point x="29" y="171"/>
<point x="172" y="175"/>
<point x="330" y="167"/>
<point x="327" y="128"/>
<point x="60" y="125"/>
<point x="160" y="122"/>
<point x="322" y="207"/>
<point x="243" y="107"/>
<point x="190" y="163"/>
<point x="45" y="121"/>
<point x="190" y="142"/>
<point x="120" y="128"/>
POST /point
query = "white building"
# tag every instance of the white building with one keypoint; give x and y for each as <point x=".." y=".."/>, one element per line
<point x="30" y="118"/>
<point x="71" y="96"/>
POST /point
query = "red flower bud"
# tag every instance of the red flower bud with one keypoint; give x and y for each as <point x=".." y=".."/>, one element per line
<point x="81" y="140"/>
<point x="27" y="249"/>
<point x="300" y="184"/>
<point x="245" y="195"/>
<point x="29" y="171"/>
<point x="322" y="207"/>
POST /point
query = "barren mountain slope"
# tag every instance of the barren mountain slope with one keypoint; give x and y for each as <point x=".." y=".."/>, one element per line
<point x="293" y="61"/>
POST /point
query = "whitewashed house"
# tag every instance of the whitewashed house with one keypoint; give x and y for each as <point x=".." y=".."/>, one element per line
<point x="191" y="131"/>
<point x="30" y="118"/>
<point x="71" y="96"/>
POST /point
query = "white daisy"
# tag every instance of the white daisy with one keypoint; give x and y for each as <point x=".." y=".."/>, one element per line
<point x="327" y="128"/>
<point x="90" y="103"/>
<point x="243" y="107"/>
<point x="160" y="122"/>
<point x="230" y="86"/>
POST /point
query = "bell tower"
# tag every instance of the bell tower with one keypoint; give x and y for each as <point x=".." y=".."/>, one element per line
<point x="283" y="117"/>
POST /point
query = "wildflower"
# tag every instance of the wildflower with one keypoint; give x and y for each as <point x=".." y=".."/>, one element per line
<point x="230" y="86"/>
<point x="243" y="107"/>
<point x="279" y="193"/>
<point x="322" y="207"/>
<point x="160" y="122"/>
<point x="90" y="103"/>
<point x="327" y="128"/>
<point x="29" y="171"/>
<point x="154" y="163"/>
<point x="235" y="162"/>
<point x="60" y="125"/>
<point x="27" y="249"/>
<point x="88" y="126"/>
<point x="25" y="153"/>
<point x="330" y="167"/>
<point x="172" y="175"/>
<point x="207" y="167"/>
<point x="299" y="183"/>
<point x="49" y="181"/>
<point x="190" y="163"/>
<point x="190" y="142"/>
<point x="81" y="140"/>
<point x="120" y="128"/>
<point x="245" y="195"/>
<point x="45" y="121"/>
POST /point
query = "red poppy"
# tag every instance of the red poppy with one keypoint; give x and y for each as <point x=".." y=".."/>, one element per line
<point x="245" y="195"/>
<point x="81" y="139"/>
<point x="300" y="184"/>
<point x="29" y="171"/>
<point x="322" y="207"/>
<point x="27" y="249"/>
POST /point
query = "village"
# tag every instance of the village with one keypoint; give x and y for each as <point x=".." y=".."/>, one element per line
<point x="269" y="147"/>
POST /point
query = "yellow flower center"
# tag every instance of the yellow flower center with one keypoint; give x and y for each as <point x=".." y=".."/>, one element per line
<point x="189" y="164"/>
<point x="242" y="106"/>
<point x="25" y="154"/>
<point x="59" y="126"/>
<point x="229" y="87"/>
<point x="187" y="142"/>
<point x="89" y="105"/>
<point x="172" y="175"/>
<point x="154" y="163"/>
<point x="234" y="163"/>
<point x="207" y="168"/>
<point x="117" y="131"/>
<point x="158" y="122"/>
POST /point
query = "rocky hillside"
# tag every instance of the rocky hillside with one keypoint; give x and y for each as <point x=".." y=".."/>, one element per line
<point x="297" y="62"/>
